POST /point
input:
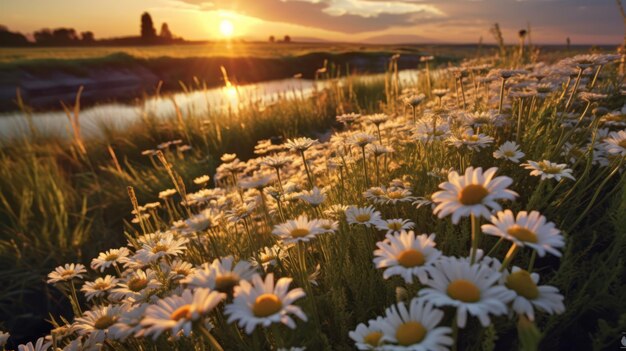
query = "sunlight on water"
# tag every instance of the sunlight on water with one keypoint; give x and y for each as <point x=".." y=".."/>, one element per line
<point x="115" y="116"/>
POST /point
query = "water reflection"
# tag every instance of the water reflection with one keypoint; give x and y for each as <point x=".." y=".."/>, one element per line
<point x="95" y="120"/>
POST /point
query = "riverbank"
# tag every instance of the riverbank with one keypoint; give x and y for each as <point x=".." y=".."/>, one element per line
<point x="122" y="77"/>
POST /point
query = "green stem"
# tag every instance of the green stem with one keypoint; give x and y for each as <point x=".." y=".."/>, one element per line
<point x="475" y="238"/>
<point x="509" y="257"/>
<point x="214" y="343"/>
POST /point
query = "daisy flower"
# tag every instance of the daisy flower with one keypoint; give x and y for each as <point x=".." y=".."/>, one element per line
<point x="165" y="245"/>
<point x="367" y="336"/>
<point x="367" y="216"/>
<point x="201" y="180"/>
<point x="348" y="118"/>
<point x="263" y="303"/>
<point x="113" y="257"/>
<point x="222" y="275"/>
<point x="128" y="323"/>
<point x="300" y="229"/>
<point x="509" y="151"/>
<point x="406" y="255"/>
<point x="269" y="256"/>
<point x="394" y="195"/>
<point x="3" y="338"/>
<point x="529" y="295"/>
<point x="526" y="229"/>
<point x="415" y="328"/>
<point x="361" y="139"/>
<point x="66" y="273"/>
<point x="177" y="313"/>
<point x="615" y="144"/>
<point x="204" y="220"/>
<point x="99" y="287"/>
<point x="40" y="345"/>
<point x="469" y="288"/>
<point x="315" y="197"/>
<point x="474" y="193"/>
<point x="328" y="225"/>
<point x="228" y="158"/>
<point x="300" y="144"/>
<point x="470" y="140"/>
<point x="336" y="211"/>
<point x="394" y="226"/>
<point x="96" y="323"/>
<point x="549" y="170"/>
<point x="138" y="285"/>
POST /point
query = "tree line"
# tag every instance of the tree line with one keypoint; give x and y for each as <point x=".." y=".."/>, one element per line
<point x="70" y="37"/>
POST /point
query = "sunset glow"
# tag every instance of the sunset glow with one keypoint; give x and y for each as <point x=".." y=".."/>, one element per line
<point x="227" y="29"/>
<point x="364" y="21"/>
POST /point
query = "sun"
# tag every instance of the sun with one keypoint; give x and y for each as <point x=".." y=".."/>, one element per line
<point x="226" y="28"/>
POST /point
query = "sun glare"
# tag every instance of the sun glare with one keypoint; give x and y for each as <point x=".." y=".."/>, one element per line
<point x="226" y="28"/>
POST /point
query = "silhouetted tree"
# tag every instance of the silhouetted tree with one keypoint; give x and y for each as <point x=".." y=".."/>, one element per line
<point x="272" y="39"/>
<point x="43" y="36"/>
<point x="59" y="36"/>
<point x="147" y="27"/>
<point x="287" y="39"/>
<point x="8" y="38"/>
<point x="87" y="37"/>
<point x="165" y="32"/>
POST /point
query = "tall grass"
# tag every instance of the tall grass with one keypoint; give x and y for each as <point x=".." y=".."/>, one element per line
<point x="63" y="202"/>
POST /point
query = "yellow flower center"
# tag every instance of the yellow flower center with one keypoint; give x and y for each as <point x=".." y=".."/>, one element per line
<point x="299" y="232"/>
<point x="363" y="217"/>
<point x="104" y="322"/>
<point x="522" y="234"/>
<point x="159" y="248"/>
<point x="67" y="274"/>
<point x="101" y="286"/>
<point x="410" y="333"/>
<point x="549" y="169"/>
<point x="111" y="257"/>
<point x="225" y="283"/>
<point x="463" y="290"/>
<point x="373" y="338"/>
<point x="181" y="312"/>
<point x="523" y="284"/>
<point x="266" y="305"/>
<point x="395" y="195"/>
<point x="396" y="226"/>
<point x="137" y="284"/>
<point x="473" y="194"/>
<point x="509" y="153"/>
<point x="411" y="258"/>
<point x="472" y="138"/>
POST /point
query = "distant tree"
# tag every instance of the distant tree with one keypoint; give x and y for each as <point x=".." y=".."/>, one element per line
<point x="43" y="36"/>
<point x="272" y="39"/>
<point x="63" y="36"/>
<point x="58" y="36"/>
<point x="165" y="32"/>
<point x="147" y="27"/>
<point x="568" y="42"/>
<point x="287" y="39"/>
<point x="87" y="37"/>
<point x="8" y="38"/>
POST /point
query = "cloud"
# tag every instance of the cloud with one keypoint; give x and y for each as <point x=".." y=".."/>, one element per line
<point x="347" y="16"/>
<point x="373" y="9"/>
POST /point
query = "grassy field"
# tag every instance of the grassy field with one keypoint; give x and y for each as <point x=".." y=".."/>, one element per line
<point x="209" y="49"/>
<point x="249" y="49"/>
<point x="67" y="201"/>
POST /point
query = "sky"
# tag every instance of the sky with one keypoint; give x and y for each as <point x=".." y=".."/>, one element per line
<point x="432" y="21"/>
